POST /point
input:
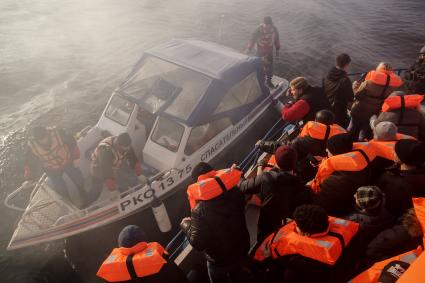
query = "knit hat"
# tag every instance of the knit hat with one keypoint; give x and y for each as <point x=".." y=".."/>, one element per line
<point x="268" y="20"/>
<point x="130" y="236"/>
<point x="299" y="83"/>
<point x="385" y="131"/>
<point x="340" y="144"/>
<point x="410" y="152"/>
<point x="123" y="139"/>
<point x="393" y="271"/>
<point x="286" y="157"/>
<point x="368" y="197"/>
<point x="422" y="51"/>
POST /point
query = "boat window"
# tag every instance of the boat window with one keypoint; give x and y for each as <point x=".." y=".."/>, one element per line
<point x="163" y="84"/>
<point x="245" y="92"/>
<point x="119" y="110"/>
<point x="202" y="134"/>
<point x="168" y="134"/>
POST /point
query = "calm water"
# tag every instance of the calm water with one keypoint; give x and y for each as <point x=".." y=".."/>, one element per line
<point x="60" y="61"/>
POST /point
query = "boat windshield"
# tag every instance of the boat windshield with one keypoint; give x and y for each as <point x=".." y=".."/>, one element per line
<point x="119" y="110"/>
<point x="159" y="84"/>
<point x="168" y="134"/>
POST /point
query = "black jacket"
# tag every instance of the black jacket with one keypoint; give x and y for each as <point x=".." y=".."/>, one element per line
<point x="281" y="192"/>
<point x="317" y="101"/>
<point x="337" y="87"/>
<point x="337" y="191"/>
<point x="416" y="76"/>
<point x="218" y="227"/>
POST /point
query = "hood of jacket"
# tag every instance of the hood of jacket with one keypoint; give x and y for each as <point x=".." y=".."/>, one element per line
<point x="336" y="74"/>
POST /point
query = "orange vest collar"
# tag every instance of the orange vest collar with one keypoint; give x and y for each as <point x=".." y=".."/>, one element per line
<point x="134" y="249"/>
<point x="210" y="174"/>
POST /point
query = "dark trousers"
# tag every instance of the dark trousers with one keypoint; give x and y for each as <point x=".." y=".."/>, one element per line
<point x="230" y="273"/>
<point x="268" y="64"/>
<point x="360" y="130"/>
<point x="59" y="184"/>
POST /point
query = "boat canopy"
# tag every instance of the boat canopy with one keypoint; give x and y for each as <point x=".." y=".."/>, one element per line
<point x="195" y="82"/>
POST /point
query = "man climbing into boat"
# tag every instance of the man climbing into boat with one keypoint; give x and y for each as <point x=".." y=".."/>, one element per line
<point x="137" y="260"/>
<point x="265" y="37"/>
<point x="308" y="101"/>
<point x="114" y="165"/>
<point x="56" y="151"/>
<point x="416" y="74"/>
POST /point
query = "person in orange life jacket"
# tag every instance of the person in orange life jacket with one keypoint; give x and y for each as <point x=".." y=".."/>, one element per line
<point x="416" y="74"/>
<point x="397" y="252"/>
<point x="406" y="179"/>
<point x="370" y="212"/>
<point x="308" y="101"/>
<point x="311" y="143"/>
<point x="279" y="190"/>
<point x="312" y="246"/>
<point x="115" y="165"/>
<point x="337" y="87"/>
<point x="265" y="37"/>
<point x="404" y="111"/>
<point x="334" y="187"/>
<point x="217" y="223"/>
<point x="56" y="151"/>
<point x="137" y="260"/>
<point x="369" y="96"/>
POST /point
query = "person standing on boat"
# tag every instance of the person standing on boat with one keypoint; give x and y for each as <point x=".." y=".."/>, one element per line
<point x="56" y="151"/>
<point x="308" y="101"/>
<point x="416" y="74"/>
<point x="369" y="96"/>
<point x="217" y="224"/>
<point x="265" y="37"/>
<point x="137" y="260"/>
<point x="337" y="87"/>
<point x="115" y="165"/>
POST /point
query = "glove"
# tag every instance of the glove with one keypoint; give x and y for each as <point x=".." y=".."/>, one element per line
<point x="110" y="184"/>
<point x="27" y="174"/>
<point x="185" y="223"/>
<point x="76" y="153"/>
<point x="138" y="168"/>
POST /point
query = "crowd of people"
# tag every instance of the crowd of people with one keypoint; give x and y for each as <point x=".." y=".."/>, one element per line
<point x="345" y="200"/>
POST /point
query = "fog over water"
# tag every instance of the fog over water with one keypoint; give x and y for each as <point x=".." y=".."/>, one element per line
<point x="60" y="60"/>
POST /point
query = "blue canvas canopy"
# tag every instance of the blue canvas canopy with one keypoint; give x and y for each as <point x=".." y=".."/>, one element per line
<point x="186" y="80"/>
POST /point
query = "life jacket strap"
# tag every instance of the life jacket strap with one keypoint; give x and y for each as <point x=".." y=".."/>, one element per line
<point x="328" y="131"/>
<point x="130" y="266"/>
<point x="363" y="154"/>
<point x="220" y="183"/>
<point x="339" y="237"/>
<point x="385" y="88"/>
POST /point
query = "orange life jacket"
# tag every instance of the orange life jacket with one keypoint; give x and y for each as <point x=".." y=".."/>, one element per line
<point x="56" y="156"/>
<point x="321" y="131"/>
<point x="118" y="156"/>
<point x="381" y="77"/>
<point x="386" y="149"/>
<point x="124" y="264"/>
<point x="372" y="274"/>
<point x="213" y="184"/>
<point x="404" y="101"/>
<point x="325" y="247"/>
<point x="416" y="271"/>
<point x="356" y="160"/>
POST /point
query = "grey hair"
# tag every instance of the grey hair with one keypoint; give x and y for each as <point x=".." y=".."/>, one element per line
<point x="384" y="66"/>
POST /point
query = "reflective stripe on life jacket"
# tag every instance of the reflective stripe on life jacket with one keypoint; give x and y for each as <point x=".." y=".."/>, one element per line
<point x="397" y="102"/>
<point x="124" y="264"/>
<point x="118" y="156"/>
<point x="415" y="273"/>
<point x="380" y="78"/>
<point x="372" y="274"/>
<point x="356" y="160"/>
<point x="321" y="131"/>
<point x="213" y="184"/>
<point x="326" y="247"/>
<point x="56" y="156"/>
